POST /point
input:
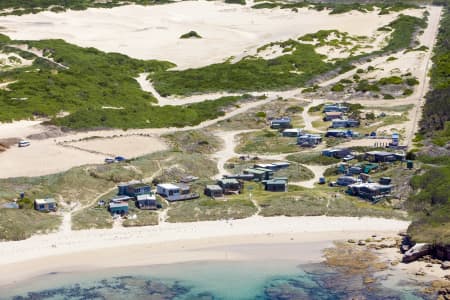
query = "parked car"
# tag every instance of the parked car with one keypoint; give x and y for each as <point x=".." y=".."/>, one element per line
<point x="119" y="158"/>
<point x="109" y="160"/>
<point x="348" y="157"/>
<point x="24" y="143"/>
<point x="322" y="180"/>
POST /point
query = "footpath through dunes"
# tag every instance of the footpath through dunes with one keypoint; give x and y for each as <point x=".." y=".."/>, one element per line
<point x="147" y="86"/>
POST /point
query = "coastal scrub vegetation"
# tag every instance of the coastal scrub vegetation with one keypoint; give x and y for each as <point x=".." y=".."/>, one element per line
<point x="430" y="202"/>
<point x="22" y="7"/>
<point x="297" y="66"/>
<point x="97" y="89"/>
<point x="312" y="159"/>
<point x="21" y="224"/>
<point x="266" y="142"/>
<point x="337" y="7"/>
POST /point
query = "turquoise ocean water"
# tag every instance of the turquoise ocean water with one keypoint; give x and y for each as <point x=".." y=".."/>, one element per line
<point x="268" y="279"/>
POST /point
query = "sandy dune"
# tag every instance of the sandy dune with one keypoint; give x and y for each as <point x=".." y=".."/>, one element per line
<point x="153" y="32"/>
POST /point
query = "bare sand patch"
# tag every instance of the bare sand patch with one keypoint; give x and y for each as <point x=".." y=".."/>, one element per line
<point x="152" y="32"/>
<point x="127" y="146"/>
<point x="42" y="158"/>
<point x="20" y="129"/>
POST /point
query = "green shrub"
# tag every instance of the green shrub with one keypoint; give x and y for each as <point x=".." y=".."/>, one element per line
<point x="260" y="114"/>
<point x="338" y="88"/>
<point x="190" y="34"/>
<point x="26" y="203"/>
<point x="388" y="96"/>
<point x="391" y="80"/>
<point x="408" y="92"/>
<point x="241" y="2"/>
<point x="411" y="81"/>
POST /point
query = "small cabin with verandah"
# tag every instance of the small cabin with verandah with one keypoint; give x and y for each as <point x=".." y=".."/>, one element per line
<point x="370" y="190"/>
<point x="336" y="152"/>
<point x="339" y="123"/>
<point x="147" y="201"/>
<point x="292" y="132"/>
<point x="46" y="205"/>
<point x="213" y="191"/>
<point x="260" y="174"/>
<point x="331" y="115"/>
<point x="379" y="156"/>
<point x="230" y="186"/>
<point x="118" y="208"/>
<point x="176" y="192"/>
<point x="309" y="139"/>
<point x="281" y="123"/>
<point x="134" y="189"/>
<point x="278" y="184"/>
<point x="335" y="107"/>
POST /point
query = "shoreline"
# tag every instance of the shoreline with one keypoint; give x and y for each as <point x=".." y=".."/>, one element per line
<point x="180" y="242"/>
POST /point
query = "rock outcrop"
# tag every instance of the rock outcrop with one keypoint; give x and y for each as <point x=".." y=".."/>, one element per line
<point x="416" y="252"/>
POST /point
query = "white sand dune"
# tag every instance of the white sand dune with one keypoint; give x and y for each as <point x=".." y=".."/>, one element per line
<point x="153" y="32"/>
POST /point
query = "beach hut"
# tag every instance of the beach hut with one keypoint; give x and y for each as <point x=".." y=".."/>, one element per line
<point x="278" y="184"/>
<point x="246" y="177"/>
<point x="118" y="208"/>
<point x="309" y="140"/>
<point x="369" y="190"/>
<point x="134" y="190"/>
<point x="45" y="205"/>
<point x="292" y="132"/>
<point x="334" y="108"/>
<point x="346" y="180"/>
<point x="230" y="186"/>
<point x="175" y="192"/>
<point x="331" y="115"/>
<point x="336" y="152"/>
<point x="379" y="156"/>
<point x="147" y="201"/>
<point x="213" y="191"/>
<point x="281" y="123"/>
<point x="340" y="123"/>
<point x="260" y="174"/>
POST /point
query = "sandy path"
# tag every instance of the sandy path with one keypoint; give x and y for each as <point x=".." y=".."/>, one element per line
<point x="147" y="86"/>
<point x="318" y="172"/>
<point x="228" y="149"/>
<point x="39" y="53"/>
<point x="308" y="119"/>
<point x="428" y="39"/>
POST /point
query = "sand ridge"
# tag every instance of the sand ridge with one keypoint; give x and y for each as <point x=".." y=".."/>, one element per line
<point x="152" y="32"/>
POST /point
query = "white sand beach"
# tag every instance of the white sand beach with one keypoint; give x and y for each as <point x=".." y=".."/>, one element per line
<point x="178" y="242"/>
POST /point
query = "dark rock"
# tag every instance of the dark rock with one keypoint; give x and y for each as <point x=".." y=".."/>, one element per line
<point x="416" y="252"/>
<point x="445" y="265"/>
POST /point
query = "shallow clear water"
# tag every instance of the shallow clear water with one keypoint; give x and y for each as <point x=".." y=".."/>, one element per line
<point x="274" y="279"/>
